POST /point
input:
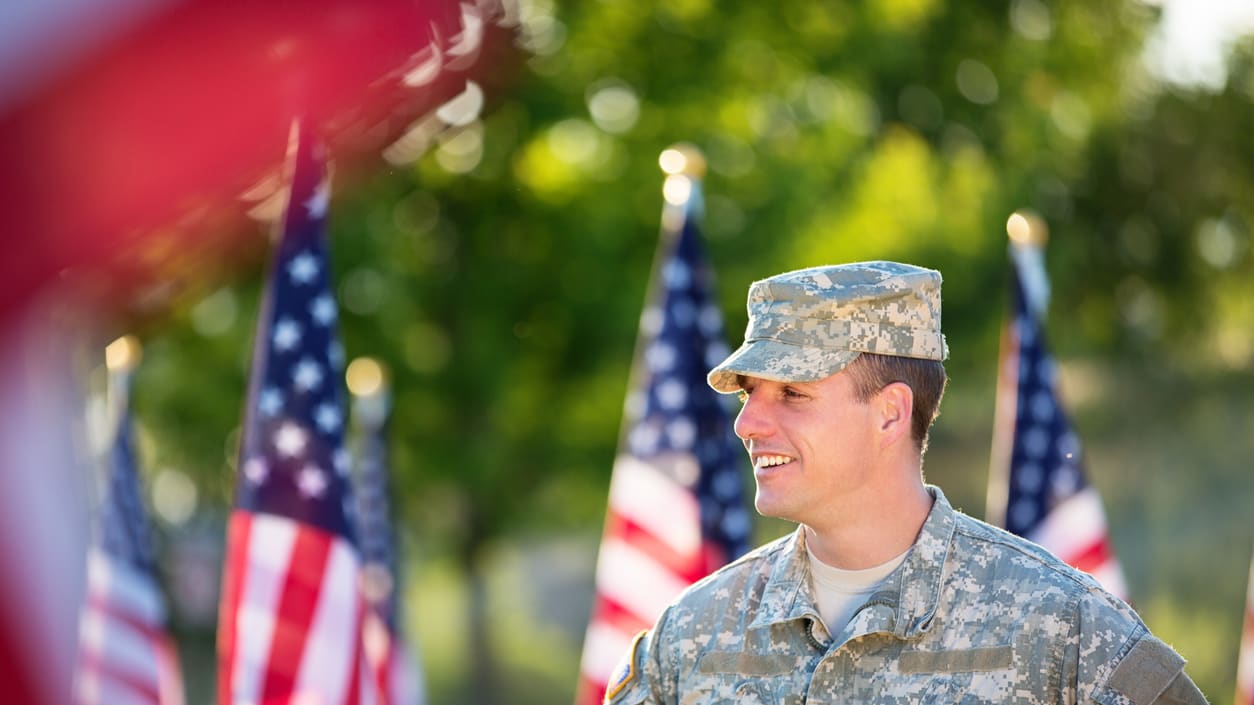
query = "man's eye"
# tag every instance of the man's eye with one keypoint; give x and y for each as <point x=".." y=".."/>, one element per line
<point x="790" y="393"/>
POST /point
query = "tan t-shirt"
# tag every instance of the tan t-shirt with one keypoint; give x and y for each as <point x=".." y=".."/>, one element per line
<point x="839" y="592"/>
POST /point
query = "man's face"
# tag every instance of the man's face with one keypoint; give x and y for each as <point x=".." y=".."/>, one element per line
<point x="812" y="445"/>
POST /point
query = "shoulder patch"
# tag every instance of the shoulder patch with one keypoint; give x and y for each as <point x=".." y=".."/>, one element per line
<point x="625" y="671"/>
<point x="1147" y="671"/>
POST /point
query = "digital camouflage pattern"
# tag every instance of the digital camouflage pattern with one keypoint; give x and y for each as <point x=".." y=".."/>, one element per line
<point x="808" y="324"/>
<point x="973" y="615"/>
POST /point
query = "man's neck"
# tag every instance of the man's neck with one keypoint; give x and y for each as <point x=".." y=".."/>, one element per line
<point x="873" y="532"/>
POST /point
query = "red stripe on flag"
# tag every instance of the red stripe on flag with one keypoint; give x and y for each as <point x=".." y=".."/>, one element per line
<point x="608" y="611"/>
<point x="359" y="662"/>
<point x="687" y="566"/>
<point x="378" y="648"/>
<point x="295" y="611"/>
<point x="107" y="671"/>
<point x="101" y="604"/>
<point x="234" y="572"/>
<point x="591" y="691"/>
<point x="1091" y="557"/>
<point x="169" y="674"/>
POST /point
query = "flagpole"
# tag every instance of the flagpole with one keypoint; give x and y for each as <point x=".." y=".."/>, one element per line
<point x="1028" y="234"/>
<point x="675" y="510"/>
<point x="122" y="356"/>
<point x="684" y="166"/>
<point x="368" y="381"/>
<point x="135" y="616"/>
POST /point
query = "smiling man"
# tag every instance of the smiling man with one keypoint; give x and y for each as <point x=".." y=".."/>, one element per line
<point x="885" y="593"/>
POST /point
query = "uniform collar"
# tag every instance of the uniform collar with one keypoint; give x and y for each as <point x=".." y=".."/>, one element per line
<point x="787" y="595"/>
<point x="905" y="604"/>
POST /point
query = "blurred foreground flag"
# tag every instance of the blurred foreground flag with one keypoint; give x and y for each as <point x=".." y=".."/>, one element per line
<point x="676" y="506"/>
<point x="125" y="653"/>
<point x="1037" y="487"/>
<point x="290" y="619"/>
<point x="394" y="670"/>
<point x="1245" y="661"/>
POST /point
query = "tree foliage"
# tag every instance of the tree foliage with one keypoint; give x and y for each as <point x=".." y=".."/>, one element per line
<point x="502" y="276"/>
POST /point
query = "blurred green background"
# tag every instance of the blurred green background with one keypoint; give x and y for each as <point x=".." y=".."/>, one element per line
<point x="501" y="278"/>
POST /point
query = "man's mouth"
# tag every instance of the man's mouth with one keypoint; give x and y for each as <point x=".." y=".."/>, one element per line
<point x="770" y="461"/>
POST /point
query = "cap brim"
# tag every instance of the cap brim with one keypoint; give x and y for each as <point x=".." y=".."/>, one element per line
<point x="778" y="362"/>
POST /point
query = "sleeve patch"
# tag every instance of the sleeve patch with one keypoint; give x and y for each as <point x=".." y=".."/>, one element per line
<point x="625" y="671"/>
<point x="1147" y="671"/>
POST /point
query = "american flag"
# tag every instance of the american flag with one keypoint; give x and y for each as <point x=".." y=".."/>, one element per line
<point x="1245" y="660"/>
<point x="1037" y="485"/>
<point x="290" y="618"/>
<point x="677" y="507"/>
<point x="126" y="654"/>
<point x="393" y="668"/>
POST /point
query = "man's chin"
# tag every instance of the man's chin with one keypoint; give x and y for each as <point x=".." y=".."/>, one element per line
<point x="770" y="507"/>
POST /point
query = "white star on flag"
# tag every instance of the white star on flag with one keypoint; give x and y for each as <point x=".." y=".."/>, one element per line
<point x="311" y="481"/>
<point x="307" y="375"/>
<point x="341" y="461"/>
<point x="286" y="334"/>
<point x="710" y="320"/>
<point x="317" y="203"/>
<point x="323" y="310"/>
<point x="256" y="471"/>
<point x="290" y="440"/>
<point x="671" y="394"/>
<point x="335" y="354"/>
<point x="677" y="274"/>
<point x="303" y="268"/>
<point x="327" y="416"/>
<point x="270" y="402"/>
<point x="660" y="356"/>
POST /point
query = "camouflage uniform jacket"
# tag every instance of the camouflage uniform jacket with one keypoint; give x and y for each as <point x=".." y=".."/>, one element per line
<point x="973" y="615"/>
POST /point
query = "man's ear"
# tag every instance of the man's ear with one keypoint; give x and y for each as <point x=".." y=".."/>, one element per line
<point x="895" y="409"/>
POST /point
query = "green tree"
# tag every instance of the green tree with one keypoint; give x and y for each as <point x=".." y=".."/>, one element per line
<point x="501" y="276"/>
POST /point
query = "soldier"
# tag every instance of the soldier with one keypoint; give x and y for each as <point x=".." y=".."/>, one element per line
<point x="885" y="593"/>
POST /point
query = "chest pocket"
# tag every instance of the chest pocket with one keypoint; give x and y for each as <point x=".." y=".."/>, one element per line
<point x="730" y="690"/>
<point x="980" y="675"/>
<point x="742" y="678"/>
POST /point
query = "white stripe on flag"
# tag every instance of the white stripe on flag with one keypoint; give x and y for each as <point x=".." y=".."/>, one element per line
<point x="634" y="580"/>
<point x="1072" y="526"/>
<point x="122" y="651"/>
<point x="270" y="541"/>
<point x="129" y="591"/>
<point x="110" y="692"/>
<point x="115" y="632"/>
<point x="367" y="689"/>
<point x="1110" y="575"/>
<point x="324" y="672"/>
<point x="646" y="496"/>
<point x="602" y="648"/>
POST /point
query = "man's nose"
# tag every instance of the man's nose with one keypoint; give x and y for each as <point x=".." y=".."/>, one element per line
<point x="752" y="421"/>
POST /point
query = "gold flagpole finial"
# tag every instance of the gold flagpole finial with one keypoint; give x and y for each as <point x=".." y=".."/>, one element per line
<point x="123" y="354"/>
<point x="1026" y="227"/>
<point x="682" y="159"/>
<point x="684" y="166"/>
<point x="368" y="383"/>
<point x="366" y="377"/>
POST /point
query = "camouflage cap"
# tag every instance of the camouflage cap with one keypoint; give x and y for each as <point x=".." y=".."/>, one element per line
<point x="808" y="324"/>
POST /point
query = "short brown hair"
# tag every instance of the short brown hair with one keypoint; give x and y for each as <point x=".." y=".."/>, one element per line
<point x="926" y="378"/>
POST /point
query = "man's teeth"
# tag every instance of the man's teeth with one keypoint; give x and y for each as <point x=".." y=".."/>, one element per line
<point x="767" y="461"/>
